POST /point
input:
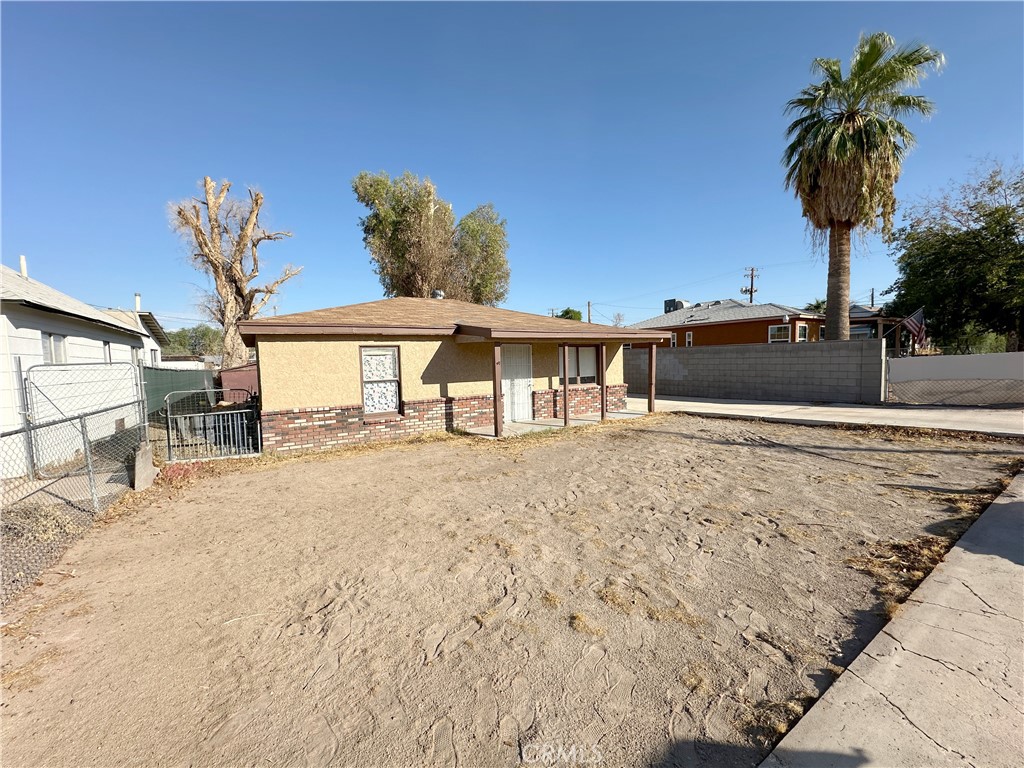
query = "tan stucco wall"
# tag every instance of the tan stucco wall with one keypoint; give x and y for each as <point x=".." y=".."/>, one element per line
<point x="316" y="371"/>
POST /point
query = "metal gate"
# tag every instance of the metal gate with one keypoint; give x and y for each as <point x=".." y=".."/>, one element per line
<point x="517" y="381"/>
<point x="211" y="424"/>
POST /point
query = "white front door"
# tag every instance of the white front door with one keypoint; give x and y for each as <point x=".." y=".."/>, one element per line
<point x="517" y="381"/>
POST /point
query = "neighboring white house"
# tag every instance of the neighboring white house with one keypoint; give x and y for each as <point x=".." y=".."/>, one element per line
<point x="41" y="325"/>
<point x="154" y="337"/>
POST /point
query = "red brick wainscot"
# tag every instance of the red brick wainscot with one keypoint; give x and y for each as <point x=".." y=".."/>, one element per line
<point x="325" y="427"/>
<point x="584" y="400"/>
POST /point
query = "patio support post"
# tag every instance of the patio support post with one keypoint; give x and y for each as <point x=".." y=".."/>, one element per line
<point x="498" y="410"/>
<point x="565" y="385"/>
<point x="652" y="367"/>
<point x="602" y="372"/>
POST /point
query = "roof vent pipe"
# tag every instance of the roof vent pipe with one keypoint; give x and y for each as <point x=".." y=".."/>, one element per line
<point x="436" y="294"/>
<point x="24" y="266"/>
<point x="138" y="302"/>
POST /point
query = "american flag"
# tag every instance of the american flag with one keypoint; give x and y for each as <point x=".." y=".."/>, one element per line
<point x="915" y="324"/>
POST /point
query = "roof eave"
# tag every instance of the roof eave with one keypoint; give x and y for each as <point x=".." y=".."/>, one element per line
<point x="83" y="318"/>
<point x="250" y="330"/>
<point x="588" y="334"/>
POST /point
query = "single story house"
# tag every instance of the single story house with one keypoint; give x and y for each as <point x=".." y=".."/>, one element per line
<point x="872" y="323"/>
<point x="39" y="325"/>
<point x="728" y="321"/>
<point x="406" y="365"/>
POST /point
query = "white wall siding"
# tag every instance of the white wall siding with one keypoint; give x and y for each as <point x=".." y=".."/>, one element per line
<point x="23" y="330"/>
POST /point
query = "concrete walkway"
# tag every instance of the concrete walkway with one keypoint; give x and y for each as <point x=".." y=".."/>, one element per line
<point x="1004" y="422"/>
<point x="943" y="683"/>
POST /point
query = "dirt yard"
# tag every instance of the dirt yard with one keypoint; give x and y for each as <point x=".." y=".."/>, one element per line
<point x="666" y="591"/>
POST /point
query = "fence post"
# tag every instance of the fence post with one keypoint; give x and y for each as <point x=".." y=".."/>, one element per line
<point x="143" y="404"/>
<point x="88" y="465"/>
<point x="26" y="420"/>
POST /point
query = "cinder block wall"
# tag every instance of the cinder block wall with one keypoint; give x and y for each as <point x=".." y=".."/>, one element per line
<point x="826" y="371"/>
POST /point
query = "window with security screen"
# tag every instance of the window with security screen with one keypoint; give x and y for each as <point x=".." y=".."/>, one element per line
<point x="380" y="379"/>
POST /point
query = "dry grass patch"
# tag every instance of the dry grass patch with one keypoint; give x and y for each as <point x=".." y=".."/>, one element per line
<point x="26" y="676"/>
<point x="767" y="721"/>
<point x="899" y="566"/>
<point x="550" y="599"/>
<point x="581" y="624"/>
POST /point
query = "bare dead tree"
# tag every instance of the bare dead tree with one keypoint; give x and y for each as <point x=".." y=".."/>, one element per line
<point x="225" y="246"/>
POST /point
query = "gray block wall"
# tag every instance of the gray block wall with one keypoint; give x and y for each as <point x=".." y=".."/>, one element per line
<point x="821" y="371"/>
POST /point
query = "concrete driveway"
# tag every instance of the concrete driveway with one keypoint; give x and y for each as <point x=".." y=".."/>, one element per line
<point x="1003" y="422"/>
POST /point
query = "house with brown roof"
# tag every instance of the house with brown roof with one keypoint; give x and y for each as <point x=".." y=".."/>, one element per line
<point x="402" y="366"/>
<point x="728" y="321"/>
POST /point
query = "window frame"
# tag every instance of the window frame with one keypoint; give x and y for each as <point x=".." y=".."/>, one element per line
<point x="152" y="357"/>
<point x="821" y="332"/>
<point x="806" y="333"/>
<point x="688" y="339"/>
<point x="398" y="381"/>
<point x="674" y="341"/>
<point x="577" y="380"/>
<point x="789" y="334"/>
<point x="55" y="348"/>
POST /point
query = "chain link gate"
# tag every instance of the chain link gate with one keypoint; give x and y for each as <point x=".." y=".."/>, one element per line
<point x="74" y="456"/>
<point x="211" y="424"/>
<point x="85" y="421"/>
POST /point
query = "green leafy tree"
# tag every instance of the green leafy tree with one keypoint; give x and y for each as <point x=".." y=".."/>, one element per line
<point x="570" y="314"/>
<point x="818" y="305"/>
<point x="417" y="247"/>
<point x="846" y="150"/>
<point x="961" y="257"/>
<point x="198" y="340"/>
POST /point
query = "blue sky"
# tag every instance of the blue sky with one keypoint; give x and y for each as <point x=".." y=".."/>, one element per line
<point x="634" y="149"/>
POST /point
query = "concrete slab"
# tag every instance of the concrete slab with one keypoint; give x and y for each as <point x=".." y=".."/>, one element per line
<point x="1002" y="422"/>
<point x="943" y="683"/>
<point x="517" y="428"/>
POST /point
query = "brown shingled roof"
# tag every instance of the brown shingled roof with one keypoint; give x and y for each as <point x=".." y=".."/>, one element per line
<point x="436" y="317"/>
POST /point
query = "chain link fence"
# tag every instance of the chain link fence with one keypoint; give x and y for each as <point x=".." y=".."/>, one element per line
<point x="73" y="458"/>
<point x="995" y="379"/>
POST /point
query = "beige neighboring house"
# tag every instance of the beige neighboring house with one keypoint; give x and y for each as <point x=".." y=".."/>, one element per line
<point x="401" y="366"/>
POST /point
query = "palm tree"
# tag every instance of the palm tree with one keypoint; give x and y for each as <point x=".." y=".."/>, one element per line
<point x="847" y="148"/>
<point x="817" y="306"/>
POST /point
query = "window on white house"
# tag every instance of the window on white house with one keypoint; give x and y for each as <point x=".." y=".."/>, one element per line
<point x="582" y="365"/>
<point x="106" y="352"/>
<point x="380" y="379"/>
<point x="689" y="338"/>
<point x="154" y="357"/>
<point x="801" y="332"/>
<point x="674" y="340"/>
<point x="779" y="333"/>
<point x="54" y="348"/>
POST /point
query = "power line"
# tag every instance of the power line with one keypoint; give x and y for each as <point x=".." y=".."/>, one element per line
<point x="699" y="282"/>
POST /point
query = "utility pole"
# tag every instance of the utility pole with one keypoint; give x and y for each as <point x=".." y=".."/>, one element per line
<point x="751" y="273"/>
<point x="872" y="297"/>
<point x="552" y="311"/>
<point x="588" y="311"/>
